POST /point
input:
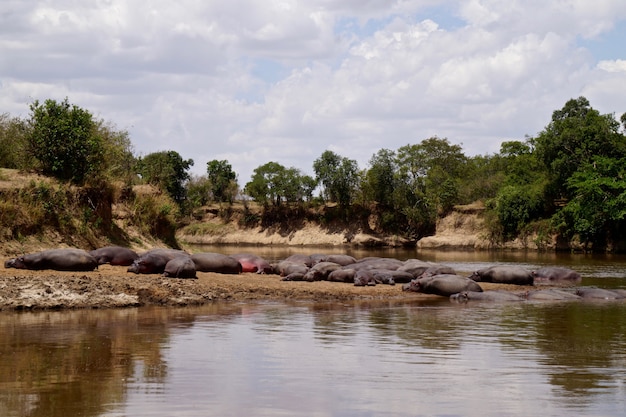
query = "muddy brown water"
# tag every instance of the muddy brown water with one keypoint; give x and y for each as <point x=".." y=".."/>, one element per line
<point x="378" y="358"/>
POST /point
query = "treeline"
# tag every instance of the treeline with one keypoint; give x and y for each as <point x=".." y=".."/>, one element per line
<point x="567" y="181"/>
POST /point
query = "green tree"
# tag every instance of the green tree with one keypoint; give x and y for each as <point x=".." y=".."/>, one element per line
<point x="265" y="186"/>
<point x="597" y="209"/>
<point x="575" y="136"/>
<point x="339" y="177"/>
<point x="62" y="138"/>
<point x="118" y="158"/>
<point x="198" y="191"/>
<point x="13" y="142"/>
<point x="222" y="179"/>
<point x="380" y="178"/>
<point x="168" y="171"/>
<point x="273" y="183"/>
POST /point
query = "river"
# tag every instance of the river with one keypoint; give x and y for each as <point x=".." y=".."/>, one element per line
<point x="429" y="358"/>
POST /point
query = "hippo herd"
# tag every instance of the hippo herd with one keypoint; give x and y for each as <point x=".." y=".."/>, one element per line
<point x="415" y="275"/>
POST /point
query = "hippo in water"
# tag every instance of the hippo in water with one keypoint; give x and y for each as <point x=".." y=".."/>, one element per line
<point x="553" y="274"/>
<point x="504" y="274"/>
<point x="591" y="293"/>
<point x="487" y="296"/>
<point x="114" y="255"/>
<point x="55" y="259"/>
<point x="444" y="285"/>
<point x="216" y="262"/>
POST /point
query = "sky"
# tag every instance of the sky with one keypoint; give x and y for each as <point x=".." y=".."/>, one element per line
<point x="258" y="81"/>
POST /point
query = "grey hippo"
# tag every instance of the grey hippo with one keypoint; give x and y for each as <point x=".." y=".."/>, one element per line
<point x="216" y="262"/>
<point x="556" y="274"/>
<point x="504" y="274"/>
<point x="180" y="267"/>
<point x="56" y="259"/>
<point x="591" y="293"/>
<point x="154" y="261"/>
<point x="444" y="285"/>
<point x="114" y="255"/>
<point x="488" y="296"/>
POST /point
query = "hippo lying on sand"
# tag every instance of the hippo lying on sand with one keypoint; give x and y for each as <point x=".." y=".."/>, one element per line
<point x="55" y="259"/>
<point x="216" y="262"/>
<point x="253" y="263"/>
<point x="180" y="267"/>
<point x="504" y="274"/>
<point x="114" y="255"/>
<point x="444" y="285"/>
<point x="154" y="261"/>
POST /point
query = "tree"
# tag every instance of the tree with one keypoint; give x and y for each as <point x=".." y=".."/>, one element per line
<point x="222" y="179"/>
<point x="62" y="138"/>
<point x="168" y="171"/>
<point x="380" y="178"/>
<point x="575" y="136"/>
<point x="273" y="183"/>
<point x="118" y="158"/>
<point x="13" y="142"/>
<point x="338" y="175"/>
<point x="597" y="209"/>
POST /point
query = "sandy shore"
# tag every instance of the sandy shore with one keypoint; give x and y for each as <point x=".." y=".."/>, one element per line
<point x="112" y="286"/>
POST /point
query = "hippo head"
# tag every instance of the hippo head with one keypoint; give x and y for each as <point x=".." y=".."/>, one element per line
<point x="460" y="297"/>
<point x="134" y="267"/>
<point x="415" y="286"/>
<point x="15" y="263"/>
<point x="475" y="276"/>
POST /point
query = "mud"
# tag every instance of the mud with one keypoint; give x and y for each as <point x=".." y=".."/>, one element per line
<point x="112" y="287"/>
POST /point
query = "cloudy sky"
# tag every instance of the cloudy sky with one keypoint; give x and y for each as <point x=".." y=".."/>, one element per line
<point x="254" y="81"/>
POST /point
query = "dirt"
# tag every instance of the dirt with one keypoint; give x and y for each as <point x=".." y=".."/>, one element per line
<point x="112" y="286"/>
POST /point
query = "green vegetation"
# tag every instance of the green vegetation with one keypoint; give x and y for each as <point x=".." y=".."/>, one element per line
<point x="567" y="181"/>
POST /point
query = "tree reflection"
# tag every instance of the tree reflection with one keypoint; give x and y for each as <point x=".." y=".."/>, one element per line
<point x="78" y="362"/>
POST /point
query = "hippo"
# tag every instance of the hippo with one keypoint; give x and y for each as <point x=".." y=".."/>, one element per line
<point x="300" y="259"/>
<point x="385" y="276"/>
<point x="56" y="259"/>
<point x="551" y="294"/>
<point x="444" y="285"/>
<point x="342" y="260"/>
<point x="154" y="261"/>
<point x="504" y="274"/>
<point x="294" y="276"/>
<point x="590" y="293"/>
<point x="490" y="296"/>
<point x="180" y="267"/>
<point x="415" y="267"/>
<point x="320" y="271"/>
<point x="391" y="277"/>
<point x="437" y="270"/>
<point x="556" y="274"/>
<point x="253" y="263"/>
<point x="390" y="264"/>
<point x="114" y="255"/>
<point x="342" y="275"/>
<point x="284" y="268"/>
<point x="215" y="262"/>
<point x="364" y="277"/>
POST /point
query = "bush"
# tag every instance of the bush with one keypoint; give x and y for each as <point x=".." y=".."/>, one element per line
<point x="63" y="139"/>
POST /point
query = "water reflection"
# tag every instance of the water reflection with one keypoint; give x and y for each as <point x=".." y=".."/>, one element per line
<point x="348" y="359"/>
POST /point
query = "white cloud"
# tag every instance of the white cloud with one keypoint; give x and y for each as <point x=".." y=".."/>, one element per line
<point x="288" y="79"/>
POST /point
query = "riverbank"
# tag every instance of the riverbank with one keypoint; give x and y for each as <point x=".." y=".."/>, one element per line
<point x="113" y="287"/>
